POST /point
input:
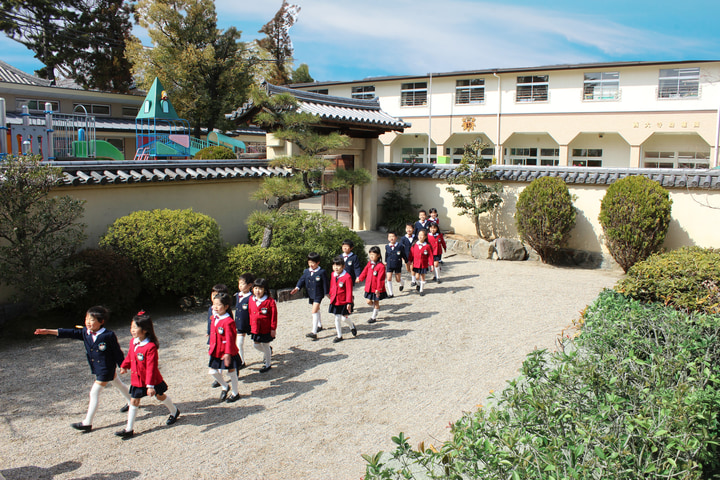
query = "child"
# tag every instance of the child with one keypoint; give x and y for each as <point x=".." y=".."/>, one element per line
<point x="263" y="320"/>
<point x="438" y="245"/>
<point x="352" y="263"/>
<point x="142" y="360"/>
<point x="407" y="241"/>
<point x="374" y="276"/>
<point x="420" y="255"/>
<point x="103" y="354"/>
<point x="341" y="297"/>
<point x="434" y="217"/>
<point x="422" y="223"/>
<point x="219" y="288"/>
<point x="394" y="256"/>
<point x="223" y="347"/>
<point x="242" y="314"/>
<point x="315" y="282"/>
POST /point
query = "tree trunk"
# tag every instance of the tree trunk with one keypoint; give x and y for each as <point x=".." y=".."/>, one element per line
<point x="267" y="237"/>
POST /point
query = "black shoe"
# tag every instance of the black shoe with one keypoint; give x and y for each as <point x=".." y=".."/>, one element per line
<point x="320" y="328"/>
<point x="265" y="369"/>
<point x="125" y="408"/>
<point x="311" y="335"/>
<point x="390" y="296"/>
<point x="215" y="384"/>
<point x="417" y="287"/>
<point x="438" y="281"/>
<point x="337" y="339"/>
<point x="124" y="433"/>
<point x="223" y="395"/>
<point x="242" y="365"/>
<point x="173" y="418"/>
<point x="401" y="288"/>
<point x="81" y="427"/>
<point x="372" y="320"/>
<point x="233" y="398"/>
<point x="354" y="331"/>
<point x="422" y="294"/>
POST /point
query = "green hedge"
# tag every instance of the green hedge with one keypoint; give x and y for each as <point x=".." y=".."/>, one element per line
<point x="215" y="152"/>
<point x="687" y="278"/>
<point x="175" y="251"/>
<point x="281" y="266"/>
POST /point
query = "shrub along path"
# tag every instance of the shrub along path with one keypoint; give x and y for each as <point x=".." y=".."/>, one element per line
<point x="426" y="360"/>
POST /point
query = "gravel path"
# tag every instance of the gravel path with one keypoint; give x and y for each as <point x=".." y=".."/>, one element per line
<point x="426" y="361"/>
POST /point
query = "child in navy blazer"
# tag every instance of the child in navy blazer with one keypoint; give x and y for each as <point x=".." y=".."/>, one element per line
<point x="242" y="315"/>
<point x="103" y="354"/>
<point x="423" y="223"/>
<point x="315" y="282"/>
<point x="394" y="256"/>
<point x="352" y="262"/>
<point x="374" y="276"/>
<point x="146" y="380"/>
<point x="341" y="297"/>
<point x="407" y="241"/>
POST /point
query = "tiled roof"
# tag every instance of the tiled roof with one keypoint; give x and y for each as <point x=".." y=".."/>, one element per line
<point x="330" y="108"/>
<point x="669" y="178"/>
<point x="102" y="172"/>
<point x="10" y="74"/>
<point x="101" y="123"/>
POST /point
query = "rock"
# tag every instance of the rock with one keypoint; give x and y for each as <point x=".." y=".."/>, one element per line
<point x="283" y="295"/>
<point x="479" y="248"/>
<point x="507" y="249"/>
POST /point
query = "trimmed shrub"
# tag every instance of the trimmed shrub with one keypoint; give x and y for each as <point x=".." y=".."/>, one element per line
<point x="215" y="152"/>
<point x="306" y="232"/>
<point x="545" y="216"/>
<point x="686" y="279"/>
<point x="398" y="209"/>
<point x="175" y="251"/>
<point x="280" y="266"/>
<point x="110" y="279"/>
<point x="635" y="215"/>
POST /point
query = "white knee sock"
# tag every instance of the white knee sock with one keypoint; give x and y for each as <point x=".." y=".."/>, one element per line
<point x="240" y="341"/>
<point x="388" y="287"/>
<point x="422" y="286"/>
<point x="315" y="322"/>
<point x="234" y="382"/>
<point x="265" y="348"/>
<point x="92" y="406"/>
<point x="375" y="313"/>
<point x="349" y="323"/>
<point x="170" y="405"/>
<point x="437" y="273"/>
<point x="218" y="376"/>
<point x="117" y="383"/>
<point x="132" y="412"/>
<point x="338" y="325"/>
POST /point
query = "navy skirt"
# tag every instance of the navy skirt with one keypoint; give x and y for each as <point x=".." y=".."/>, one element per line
<point x="437" y="258"/>
<point x="375" y="297"/>
<point x="140" y="392"/>
<point x="218" y="364"/>
<point x="421" y="271"/>
<point x="339" y="310"/>
<point x="396" y="269"/>
<point x="261" y="337"/>
<point x="105" y="377"/>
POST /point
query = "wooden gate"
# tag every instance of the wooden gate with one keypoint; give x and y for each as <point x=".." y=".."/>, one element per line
<point x="339" y="205"/>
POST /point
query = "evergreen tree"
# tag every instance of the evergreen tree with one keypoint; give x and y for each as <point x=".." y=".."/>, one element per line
<point x="302" y="74"/>
<point x="278" y="43"/>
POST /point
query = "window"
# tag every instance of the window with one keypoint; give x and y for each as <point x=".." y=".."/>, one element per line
<point x="470" y="91"/>
<point x="532" y="88"/>
<point x="322" y="91"/>
<point x="456" y="153"/>
<point x="417" y="155"/>
<point x="92" y="109"/>
<point x="413" y="94"/>
<point x="677" y="160"/>
<point x="679" y="83"/>
<point x="601" y="86"/>
<point x="587" y="157"/>
<point x="130" y="111"/>
<point x="366" y="92"/>
<point x="529" y="156"/>
<point x="36" y="106"/>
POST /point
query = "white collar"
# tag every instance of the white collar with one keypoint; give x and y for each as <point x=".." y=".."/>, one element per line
<point x="139" y="343"/>
<point x="242" y="296"/>
<point x="421" y="244"/>
<point x="220" y="317"/>
<point x="260" y="300"/>
<point x="95" y="334"/>
<point x="338" y="275"/>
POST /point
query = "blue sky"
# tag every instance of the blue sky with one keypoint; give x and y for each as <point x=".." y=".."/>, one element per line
<point x="352" y="40"/>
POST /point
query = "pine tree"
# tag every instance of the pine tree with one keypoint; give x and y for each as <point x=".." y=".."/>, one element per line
<point x="278" y="43"/>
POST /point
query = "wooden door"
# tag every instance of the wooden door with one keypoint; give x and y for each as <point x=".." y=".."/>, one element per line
<point x="339" y="205"/>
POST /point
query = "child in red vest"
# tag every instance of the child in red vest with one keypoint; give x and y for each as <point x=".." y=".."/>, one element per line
<point x="374" y="276"/>
<point x="263" y="320"/>
<point x="438" y="245"/>
<point x="224" y="353"/>
<point x="341" y="297"/>
<point x="420" y="259"/>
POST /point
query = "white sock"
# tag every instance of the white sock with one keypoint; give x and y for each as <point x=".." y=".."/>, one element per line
<point x="132" y="412"/>
<point x="388" y="287"/>
<point x="234" y="382"/>
<point x="422" y="286"/>
<point x="265" y="348"/>
<point x="92" y="406"/>
<point x="375" y="312"/>
<point x="240" y="341"/>
<point x="170" y="405"/>
<point x="412" y="280"/>
<point x="437" y="274"/>
<point x="315" y="323"/>
<point x="402" y="283"/>
<point x="349" y="323"/>
<point x="338" y="325"/>
<point x="218" y="376"/>
<point x="117" y="383"/>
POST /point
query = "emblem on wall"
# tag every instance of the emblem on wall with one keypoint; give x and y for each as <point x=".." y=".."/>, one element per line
<point x="468" y="124"/>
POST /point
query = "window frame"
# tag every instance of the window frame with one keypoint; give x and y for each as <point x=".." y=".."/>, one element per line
<point x="19" y="102"/>
<point x="469" y="90"/>
<point x="670" y="87"/>
<point x="363" y="92"/>
<point x="605" y="85"/>
<point x="413" y="94"/>
<point x="536" y="86"/>
<point x="91" y="107"/>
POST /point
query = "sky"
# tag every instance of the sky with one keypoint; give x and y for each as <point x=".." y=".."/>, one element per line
<point x="344" y="40"/>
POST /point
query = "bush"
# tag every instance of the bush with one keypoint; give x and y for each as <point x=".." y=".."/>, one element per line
<point x="635" y="215"/>
<point x="215" y="152"/>
<point x="280" y="266"/>
<point x="306" y="232"/>
<point x="686" y="279"/>
<point x="545" y="216"/>
<point x="110" y="280"/>
<point x="176" y="251"/>
<point x="637" y="398"/>
<point x="398" y="209"/>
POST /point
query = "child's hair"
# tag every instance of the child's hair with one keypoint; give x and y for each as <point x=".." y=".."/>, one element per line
<point x="433" y="225"/>
<point x="411" y="225"/>
<point x="99" y="313"/>
<point x="262" y="283"/>
<point x="422" y="230"/>
<point x="422" y="211"/>
<point x="392" y="232"/>
<point x="225" y="299"/>
<point x="339" y="260"/>
<point x="248" y="278"/>
<point x="144" y="322"/>
<point x="376" y="251"/>
<point x="432" y="210"/>
<point x="348" y="242"/>
<point x="312" y="257"/>
<point x="220" y="287"/>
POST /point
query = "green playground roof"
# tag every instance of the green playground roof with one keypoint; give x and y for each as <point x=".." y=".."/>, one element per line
<point x="155" y="107"/>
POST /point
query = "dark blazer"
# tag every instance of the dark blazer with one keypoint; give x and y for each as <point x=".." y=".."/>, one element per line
<point x="352" y="266"/>
<point x="316" y="284"/>
<point x="394" y="257"/>
<point x="407" y="245"/>
<point x="242" y="314"/>
<point x="103" y="355"/>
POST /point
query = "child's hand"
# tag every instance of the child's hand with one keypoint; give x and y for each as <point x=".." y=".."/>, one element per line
<point x="226" y="359"/>
<point x="294" y="291"/>
<point x="123" y="371"/>
<point x="272" y="333"/>
<point x="349" y="308"/>
<point x="151" y="392"/>
<point x="41" y="331"/>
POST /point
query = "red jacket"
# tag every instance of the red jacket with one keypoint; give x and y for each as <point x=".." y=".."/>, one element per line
<point x="437" y="242"/>
<point x="142" y="361"/>
<point x="420" y="255"/>
<point x="263" y="317"/>
<point x="375" y="275"/>
<point x="341" y="289"/>
<point x="223" y="333"/>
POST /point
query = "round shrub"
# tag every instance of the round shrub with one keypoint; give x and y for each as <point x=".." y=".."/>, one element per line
<point x="280" y="266"/>
<point x="687" y="279"/>
<point x="110" y="279"/>
<point x="307" y="232"/>
<point x="175" y="251"/>
<point x="215" y="152"/>
<point x="635" y="215"/>
<point x="545" y="216"/>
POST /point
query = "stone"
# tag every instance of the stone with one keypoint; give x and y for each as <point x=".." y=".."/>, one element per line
<point x="283" y="295"/>
<point x="507" y="249"/>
